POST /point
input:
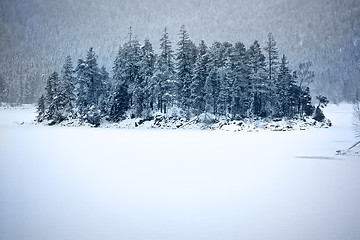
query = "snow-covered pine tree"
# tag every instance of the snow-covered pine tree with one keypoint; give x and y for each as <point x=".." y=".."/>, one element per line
<point x="212" y="83"/>
<point x="88" y="89"/>
<point x="81" y="90"/>
<point x="41" y="108"/>
<point x="225" y="78"/>
<point x="305" y="100"/>
<point x="132" y="67"/>
<point x="184" y="66"/>
<point x="283" y="84"/>
<point x="272" y="57"/>
<point x="52" y="112"/>
<point x="68" y="88"/>
<point x="119" y="102"/>
<point x="200" y="74"/>
<point x="105" y="90"/>
<point x="126" y="65"/>
<point x="304" y="76"/>
<point x="272" y="72"/>
<point x="144" y="94"/>
<point x="257" y="75"/>
<point x="164" y="75"/>
<point x="241" y="86"/>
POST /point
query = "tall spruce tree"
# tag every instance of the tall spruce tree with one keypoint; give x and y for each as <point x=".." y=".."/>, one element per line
<point x="126" y="65"/>
<point x="184" y="67"/>
<point x="144" y="95"/>
<point x="119" y="102"/>
<point x="143" y="81"/>
<point x="41" y="108"/>
<point x="284" y="86"/>
<point x="105" y="90"/>
<point x="200" y="74"/>
<point x="164" y="75"/>
<point x="241" y="85"/>
<point x="272" y="72"/>
<point x="89" y="85"/>
<point x="68" y="87"/>
<point x="212" y="84"/>
<point x="53" y="111"/>
<point x="258" y="79"/>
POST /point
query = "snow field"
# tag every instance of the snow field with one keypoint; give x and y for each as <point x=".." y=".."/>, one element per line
<point x="86" y="183"/>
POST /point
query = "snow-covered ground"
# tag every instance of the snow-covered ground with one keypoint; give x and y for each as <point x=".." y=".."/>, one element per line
<point x="99" y="183"/>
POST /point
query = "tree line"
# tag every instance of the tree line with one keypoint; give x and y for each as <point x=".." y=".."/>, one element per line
<point x="226" y="80"/>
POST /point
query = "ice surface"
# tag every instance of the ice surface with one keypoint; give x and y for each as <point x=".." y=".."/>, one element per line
<point x="87" y="183"/>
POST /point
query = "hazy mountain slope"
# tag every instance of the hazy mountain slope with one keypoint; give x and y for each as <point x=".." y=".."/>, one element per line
<point x="36" y="35"/>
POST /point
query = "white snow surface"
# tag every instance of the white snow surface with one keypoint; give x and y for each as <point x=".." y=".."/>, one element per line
<point x="138" y="184"/>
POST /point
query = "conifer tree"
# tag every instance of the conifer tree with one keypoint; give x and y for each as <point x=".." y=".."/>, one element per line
<point x="272" y="72"/>
<point x="105" y="90"/>
<point x="143" y="96"/>
<point x="184" y="67"/>
<point x="212" y="83"/>
<point x="52" y="112"/>
<point x="68" y="87"/>
<point x="224" y="97"/>
<point x="257" y="77"/>
<point x="283" y="86"/>
<point x="200" y="74"/>
<point x="126" y="65"/>
<point x="41" y="108"/>
<point x="241" y="86"/>
<point x="272" y="57"/>
<point x="119" y="102"/>
<point x="164" y="75"/>
<point x="89" y="87"/>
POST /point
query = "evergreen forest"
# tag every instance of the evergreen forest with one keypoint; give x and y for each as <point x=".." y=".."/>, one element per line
<point x="227" y="80"/>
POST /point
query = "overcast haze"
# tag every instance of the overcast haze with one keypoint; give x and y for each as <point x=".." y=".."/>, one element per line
<point x="36" y="35"/>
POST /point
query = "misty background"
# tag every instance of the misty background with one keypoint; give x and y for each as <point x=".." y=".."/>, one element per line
<point x="37" y="35"/>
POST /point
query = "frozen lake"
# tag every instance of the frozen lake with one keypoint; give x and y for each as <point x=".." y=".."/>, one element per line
<point x="86" y="183"/>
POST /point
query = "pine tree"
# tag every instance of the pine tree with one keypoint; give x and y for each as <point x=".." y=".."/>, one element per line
<point x="218" y="78"/>
<point x="272" y="57"/>
<point x="164" y="75"/>
<point x="68" y="88"/>
<point x="89" y="87"/>
<point x="212" y="84"/>
<point x="212" y="89"/>
<point x="81" y="90"/>
<point x="199" y="79"/>
<point x="284" y="85"/>
<point x="127" y="64"/>
<point x="119" y="102"/>
<point x="143" y="96"/>
<point x="52" y="98"/>
<point x="241" y="85"/>
<point x="272" y="72"/>
<point x="224" y="97"/>
<point x="104" y="91"/>
<point x="184" y="66"/>
<point x="41" y="108"/>
<point x="257" y="77"/>
<point x="304" y="77"/>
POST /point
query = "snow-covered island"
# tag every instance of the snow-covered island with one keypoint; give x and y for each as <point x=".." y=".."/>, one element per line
<point x="179" y="120"/>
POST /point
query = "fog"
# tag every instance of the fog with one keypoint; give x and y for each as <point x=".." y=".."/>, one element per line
<point x="37" y="35"/>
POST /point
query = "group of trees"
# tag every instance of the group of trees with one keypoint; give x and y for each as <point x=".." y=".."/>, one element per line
<point x="225" y="79"/>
